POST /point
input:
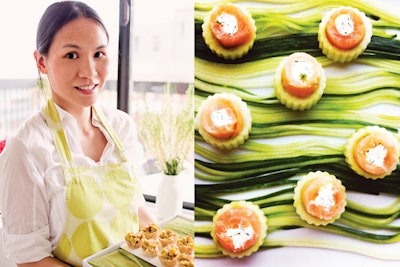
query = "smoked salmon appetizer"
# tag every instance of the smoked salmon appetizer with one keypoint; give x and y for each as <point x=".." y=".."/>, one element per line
<point x="300" y="81"/>
<point x="239" y="229"/>
<point x="344" y="33"/>
<point x="224" y="120"/>
<point x="372" y="152"/>
<point x="319" y="198"/>
<point x="229" y="31"/>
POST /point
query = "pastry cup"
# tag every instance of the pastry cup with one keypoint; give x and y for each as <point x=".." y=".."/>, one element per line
<point x="151" y="247"/>
<point x="134" y="240"/>
<point x="168" y="255"/>
<point x="167" y="237"/>
<point x="185" y="260"/>
<point x="151" y="231"/>
<point x="186" y="244"/>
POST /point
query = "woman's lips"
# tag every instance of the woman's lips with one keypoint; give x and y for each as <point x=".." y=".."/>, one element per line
<point x="87" y="89"/>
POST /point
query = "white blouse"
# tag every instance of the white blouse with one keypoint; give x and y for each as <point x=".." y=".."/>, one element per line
<point x="32" y="186"/>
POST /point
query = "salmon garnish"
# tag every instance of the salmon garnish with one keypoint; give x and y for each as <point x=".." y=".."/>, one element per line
<point x="301" y="74"/>
<point x="222" y="119"/>
<point x="323" y="198"/>
<point x="376" y="154"/>
<point x="239" y="228"/>
<point x="345" y="29"/>
<point x="230" y="25"/>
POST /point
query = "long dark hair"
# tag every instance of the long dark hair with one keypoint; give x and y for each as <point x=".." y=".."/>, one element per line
<point x="59" y="14"/>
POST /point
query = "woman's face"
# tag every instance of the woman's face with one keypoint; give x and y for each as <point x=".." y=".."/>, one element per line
<point x="76" y="64"/>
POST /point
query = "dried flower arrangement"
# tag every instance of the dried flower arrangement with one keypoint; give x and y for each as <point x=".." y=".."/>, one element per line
<point x="168" y="132"/>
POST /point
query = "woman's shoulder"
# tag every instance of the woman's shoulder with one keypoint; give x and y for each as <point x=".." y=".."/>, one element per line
<point x="30" y="140"/>
<point x="123" y="124"/>
<point x="33" y="130"/>
<point x="118" y="119"/>
<point x="114" y="113"/>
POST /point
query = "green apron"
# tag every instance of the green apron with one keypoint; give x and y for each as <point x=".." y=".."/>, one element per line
<point x="101" y="201"/>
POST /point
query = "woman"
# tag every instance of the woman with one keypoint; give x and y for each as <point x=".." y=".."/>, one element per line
<point x="67" y="187"/>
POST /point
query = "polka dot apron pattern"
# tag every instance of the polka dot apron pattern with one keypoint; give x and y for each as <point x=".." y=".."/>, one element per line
<point x="102" y="201"/>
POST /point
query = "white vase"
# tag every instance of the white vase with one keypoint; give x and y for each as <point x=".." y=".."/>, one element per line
<point x="169" y="196"/>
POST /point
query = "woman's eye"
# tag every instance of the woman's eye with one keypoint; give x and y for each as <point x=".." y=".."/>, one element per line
<point x="99" y="54"/>
<point x="71" y="55"/>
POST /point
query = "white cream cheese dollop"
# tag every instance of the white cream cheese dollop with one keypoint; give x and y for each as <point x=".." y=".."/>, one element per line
<point x="221" y="117"/>
<point x="376" y="155"/>
<point x="240" y="235"/>
<point x="302" y="69"/>
<point x="325" y="197"/>
<point x="229" y="23"/>
<point x="344" y="24"/>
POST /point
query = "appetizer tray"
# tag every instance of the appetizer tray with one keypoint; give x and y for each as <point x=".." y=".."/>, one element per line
<point x="139" y="253"/>
<point x="293" y="245"/>
<point x="172" y="223"/>
<point x="104" y="252"/>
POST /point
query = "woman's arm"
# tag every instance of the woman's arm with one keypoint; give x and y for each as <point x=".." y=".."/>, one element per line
<point x="46" y="262"/>
<point x="30" y="192"/>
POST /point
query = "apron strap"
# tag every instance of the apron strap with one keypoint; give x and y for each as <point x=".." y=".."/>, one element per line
<point x="110" y="132"/>
<point x="60" y="139"/>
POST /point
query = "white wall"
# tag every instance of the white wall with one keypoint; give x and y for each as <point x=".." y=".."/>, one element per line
<point x="163" y="42"/>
